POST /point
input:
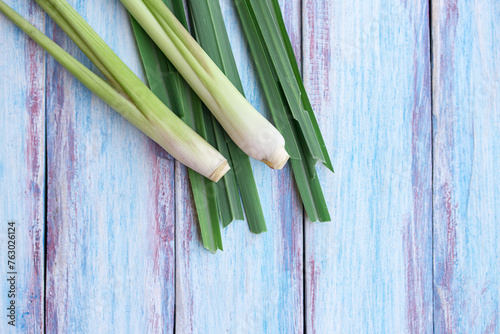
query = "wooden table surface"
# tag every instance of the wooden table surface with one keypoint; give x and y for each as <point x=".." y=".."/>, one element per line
<point x="407" y="94"/>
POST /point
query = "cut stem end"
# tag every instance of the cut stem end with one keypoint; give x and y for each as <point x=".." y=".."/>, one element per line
<point x="220" y="172"/>
<point x="278" y="159"/>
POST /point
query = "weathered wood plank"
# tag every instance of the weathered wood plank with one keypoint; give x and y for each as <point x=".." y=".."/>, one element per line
<point x="367" y="69"/>
<point x="22" y="169"/>
<point x="466" y="110"/>
<point x="110" y="219"/>
<point x="256" y="284"/>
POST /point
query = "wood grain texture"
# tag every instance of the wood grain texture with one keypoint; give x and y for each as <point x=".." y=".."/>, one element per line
<point x="111" y="208"/>
<point x="256" y="284"/>
<point x="466" y="110"/>
<point x="367" y="70"/>
<point x="22" y="168"/>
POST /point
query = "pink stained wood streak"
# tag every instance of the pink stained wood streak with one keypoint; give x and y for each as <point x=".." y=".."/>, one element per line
<point x="33" y="296"/>
<point x="60" y="177"/>
<point x="416" y="241"/>
<point x="186" y="237"/>
<point x="313" y="290"/>
<point x="35" y="163"/>
<point x="444" y="298"/>
<point x="321" y="63"/>
<point x="162" y="238"/>
<point x="22" y="173"/>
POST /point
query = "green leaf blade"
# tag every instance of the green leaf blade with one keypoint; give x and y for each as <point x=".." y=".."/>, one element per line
<point x="274" y="66"/>
<point x="305" y="98"/>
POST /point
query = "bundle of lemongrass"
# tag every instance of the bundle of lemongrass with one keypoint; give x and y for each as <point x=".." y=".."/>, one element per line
<point x="235" y="128"/>
<point x="277" y="69"/>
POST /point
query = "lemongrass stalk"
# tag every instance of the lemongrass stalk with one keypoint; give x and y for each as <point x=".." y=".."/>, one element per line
<point x="210" y="32"/>
<point x="161" y="125"/>
<point x="246" y="126"/>
<point x="227" y="193"/>
<point x="66" y="27"/>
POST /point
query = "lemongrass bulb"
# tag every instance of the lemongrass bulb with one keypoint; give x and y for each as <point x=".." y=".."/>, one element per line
<point x="251" y="131"/>
<point x="186" y="146"/>
<point x="165" y="128"/>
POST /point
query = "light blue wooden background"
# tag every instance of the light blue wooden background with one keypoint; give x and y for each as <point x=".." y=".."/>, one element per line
<point x="107" y="237"/>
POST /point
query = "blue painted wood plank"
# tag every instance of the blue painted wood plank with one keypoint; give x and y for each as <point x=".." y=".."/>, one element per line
<point x="110" y="215"/>
<point x="22" y="170"/>
<point x="256" y="284"/>
<point x="466" y="110"/>
<point x="367" y="69"/>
